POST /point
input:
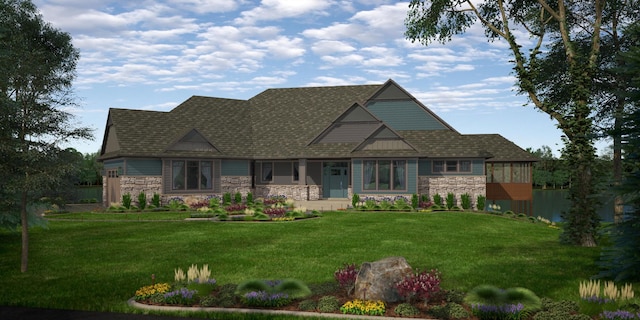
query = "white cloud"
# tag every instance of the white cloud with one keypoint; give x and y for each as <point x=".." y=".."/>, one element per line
<point x="279" y="9"/>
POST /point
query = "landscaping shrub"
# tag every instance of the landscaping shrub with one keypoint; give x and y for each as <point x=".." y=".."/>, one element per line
<point x="224" y="298"/>
<point x="324" y="288"/>
<point x="155" y="200"/>
<point x="481" y="202"/>
<point x="214" y="202"/>
<point x="126" y="200"/>
<point x="265" y="299"/>
<point x="249" y="198"/>
<point x="226" y="198"/>
<point x="465" y="198"/>
<point x="490" y="302"/>
<point x="346" y="277"/>
<point x="421" y="285"/>
<point x="437" y="199"/>
<point x="355" y="199"/>
<point x="142" y="200"/>
<point x="451" y="200"/>
<point x="415" y="201"/>
<point x="406" y="310"/>
<point x="425" y="198"/>
<point x="295" y="289"/>
<point x="237" y="198"/>
<point x="182" y="296"/>
<point x="251" y="285"/>
<point x="328" y="304"/>
<point x="307" y="305"/>
<point x="450" y="310"/>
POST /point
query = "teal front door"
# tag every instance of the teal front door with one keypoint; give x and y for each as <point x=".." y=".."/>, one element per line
<point x="335" y="181"/>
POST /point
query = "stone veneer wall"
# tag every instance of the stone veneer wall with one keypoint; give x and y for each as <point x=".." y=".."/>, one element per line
<point x="295" y="192"/>
<point x="134" y="185"/>
<point x="235" y="184"/>
<point x="458" y="185"/>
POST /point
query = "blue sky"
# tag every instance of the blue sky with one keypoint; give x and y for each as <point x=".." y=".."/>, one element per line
<point x="153" y="55"/>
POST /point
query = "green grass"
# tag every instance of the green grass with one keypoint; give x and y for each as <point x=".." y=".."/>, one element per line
<point x="98" y="265"/>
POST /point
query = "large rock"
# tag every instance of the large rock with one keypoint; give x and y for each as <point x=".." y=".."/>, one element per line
<point x="376" y="280"/>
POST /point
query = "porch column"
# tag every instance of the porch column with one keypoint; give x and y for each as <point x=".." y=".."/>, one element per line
<point x="302" y="172"/>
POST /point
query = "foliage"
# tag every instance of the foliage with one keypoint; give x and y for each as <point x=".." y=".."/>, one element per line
<point x="450" y="200"/>
<point x="498" y="312"/>
<point x="465" y="198"/>
<point x="265" y="299"/>
<point x="182" y="296"/>
<point x="147" y="291"/>
<point x="420" y="285"/>
<point x="346" y="276"/>
<point x="307" y="305"/>
<point x="328" y="304"/>
<point x="490" y="299"/>
<point x="142" y="200"/>
<point x="275" y="212"/>
<point x="176" y="203"/>
<point x="249" y="198"/>
<point x="126" y="200"/>
<point x="567" y="100"/>
<point x="214" y="202"/>
<point x="237" y="198"/>
<point x="415" y="201"/>
<point x="292" y="288"/>
<point x="155" y="200"/>
<point x="620" y="260"/>
<point x="406" y="310"/>
<point x="481" y="202"/>
<point x="437" y="199"/>
<point x="225" y="297"/>
<point x="363" y="307"/>
<point x="450" y="310"/>
<point x="355" y="199"/>
<point x="235" y="208"/>
<point x="38" y="67"/>
<point x="226" y="198"/>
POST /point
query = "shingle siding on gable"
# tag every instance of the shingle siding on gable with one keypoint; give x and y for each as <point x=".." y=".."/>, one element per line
<point x="404" y="115"/>
<point x="348" y="132"/>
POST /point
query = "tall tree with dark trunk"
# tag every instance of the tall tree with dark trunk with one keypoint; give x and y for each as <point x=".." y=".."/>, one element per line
<point x="38" y="66"/>
<point x="544" y="21"/>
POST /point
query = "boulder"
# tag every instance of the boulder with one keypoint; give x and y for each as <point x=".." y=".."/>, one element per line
<point x="376" y="280"/>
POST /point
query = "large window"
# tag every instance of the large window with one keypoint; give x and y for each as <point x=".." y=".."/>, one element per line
<point x="192" y="175"/>
<point x="384" y="175"/>
<point x="509" y="172"/>
<point x="451" y="166"/>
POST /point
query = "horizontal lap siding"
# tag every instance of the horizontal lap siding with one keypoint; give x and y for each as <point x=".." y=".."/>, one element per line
<point x="144" y="167"/>
<point x="404" y="115"/>
<point x="235" y="168"/>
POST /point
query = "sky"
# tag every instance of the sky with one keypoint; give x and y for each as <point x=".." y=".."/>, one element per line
<point x="153" y="55"/>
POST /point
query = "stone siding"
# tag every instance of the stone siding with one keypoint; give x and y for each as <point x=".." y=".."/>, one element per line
<point x="235" y="184"/>
<point x="134" y="185"/>
<point x="295" y="192"/>
<point x="458" y="185"/>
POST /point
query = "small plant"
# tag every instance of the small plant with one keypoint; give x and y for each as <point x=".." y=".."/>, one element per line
<point x="265" y="299"/>
<point x="182" y="296"/>
<point x="364" y="307"/>
<point x="126" y="200"/>
<point x="415" y="201"/>
<point x="176" y="203"/>
<point x="355" y="199"/>
<point x="142" y="200"/>
<point x="235" y="208"/>
<point x="307" y="305"/>
<point x="595" y="299"/>
<point x="406" y="310"/>
<point x="490" y="302"/>
<point x="214" y="202"/>
<point x="498" y="312"/>
<point x="450" y="310"/>
<point x="346" y="277"/>
<point x="226" y="198"/>
<point x="249" y="198"/>
<point x="465" y="198"/>
<point x="148" y="291"/>
<point x="237" y="198"/>
<point x="419" y="286"/>
<point x="480" y="202"/>
<point x="437" y="199"/>
<point x="328" y="304"/>
<point x="425" y="198"/>
<point x="451" y="200"/>
<point x="275" y="212"/>
<point x="155" y="200"/>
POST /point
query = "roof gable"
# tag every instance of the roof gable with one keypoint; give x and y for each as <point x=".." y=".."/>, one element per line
<point x="384" y="138"/>
<point x="354" y="125"/>
<point x="192" y="141"/>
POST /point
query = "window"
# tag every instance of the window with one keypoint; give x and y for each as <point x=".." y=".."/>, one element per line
<point x="451" y="166"/>
<point x="267" y="172"/>
<point x="509" y="172"/>
<point x="296" y="171"/>
<point x="384" y="175"/>
<point x="192" y="175"/>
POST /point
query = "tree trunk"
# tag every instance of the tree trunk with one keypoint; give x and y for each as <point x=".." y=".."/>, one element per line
<point x="24" y="262"/>
<point x="618" y="208"/>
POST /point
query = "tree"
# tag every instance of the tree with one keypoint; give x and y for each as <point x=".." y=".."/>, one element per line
<point x="621" y="259"/>
<point x="544" y="21"/>
<point x="38" y="66"/>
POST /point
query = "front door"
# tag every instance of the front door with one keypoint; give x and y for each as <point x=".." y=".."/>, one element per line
<point x="113" y="186"/>
<point x="335" y="181"/>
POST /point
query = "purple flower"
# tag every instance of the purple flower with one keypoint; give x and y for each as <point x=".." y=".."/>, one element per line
<point x="619" y="315"/>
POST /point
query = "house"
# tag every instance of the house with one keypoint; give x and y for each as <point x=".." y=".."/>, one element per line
<point x="308" y="143"/>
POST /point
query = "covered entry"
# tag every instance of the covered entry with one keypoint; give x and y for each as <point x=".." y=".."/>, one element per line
<point x="335" y="179"/>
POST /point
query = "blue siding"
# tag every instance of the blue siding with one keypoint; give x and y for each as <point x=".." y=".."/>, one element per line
<point x="405" y="115"/>
<point x="112" y="164"/>
<point x="235" y="167"/>
<point x="144" y="167"/>
<point x="412" y="178"/>
<point x="477" y="168"/>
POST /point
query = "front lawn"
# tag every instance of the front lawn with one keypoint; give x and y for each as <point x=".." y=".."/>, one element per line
<point x="98" y="265"/>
